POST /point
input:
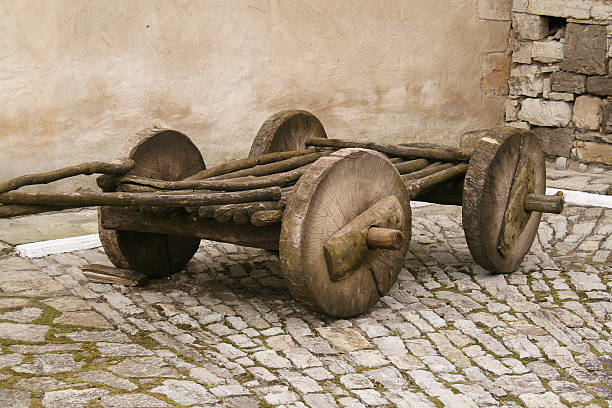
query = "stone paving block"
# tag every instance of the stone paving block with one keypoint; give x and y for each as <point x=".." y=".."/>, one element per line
<point x="71" y="398"/>
<point x="106" y="378"/>
<point x="132" y="401"/>
<point x="144" y="367"/>
<point x="50" y="364"/>
<point x="14" y="398"/>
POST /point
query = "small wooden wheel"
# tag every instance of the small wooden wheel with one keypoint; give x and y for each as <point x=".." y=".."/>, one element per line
<point x="507" y="165"/>
<point x="333" y="192"/>
<point x="286" y="130"/>
<point x="159" y="154"/>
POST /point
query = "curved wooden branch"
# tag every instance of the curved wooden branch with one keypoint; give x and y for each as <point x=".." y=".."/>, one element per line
<point x="117" y="169"/>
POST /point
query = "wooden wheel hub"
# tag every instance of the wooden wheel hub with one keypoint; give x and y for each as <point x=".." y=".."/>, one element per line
<point x="345" y="187"/>
<point x="349" y="248"/>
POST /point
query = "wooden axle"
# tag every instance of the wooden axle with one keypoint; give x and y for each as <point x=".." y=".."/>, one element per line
<point x="439" y="153"/>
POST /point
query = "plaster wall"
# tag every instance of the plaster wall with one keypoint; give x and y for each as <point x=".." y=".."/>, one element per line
<point x="78" y="77"/>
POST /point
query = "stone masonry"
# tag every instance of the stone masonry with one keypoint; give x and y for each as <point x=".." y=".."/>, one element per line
<point x="560" y="83"/>
<point x="226" y="332"/>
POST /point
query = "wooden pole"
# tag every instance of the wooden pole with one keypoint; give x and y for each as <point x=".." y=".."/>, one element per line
<point x="86" y="199"/>
<point x="419" y="186"/>
<point x="427" y="171"/>
<point x="116" y="169"/>
<point x="545" y="203"/>
<point x="241" y="164"/>
<point x="237" y="184"/>
<point x="274" y="167"/>
<point x="442" y="153"/>
<point x="412" y="165"/>
<point x="266" y="218"/>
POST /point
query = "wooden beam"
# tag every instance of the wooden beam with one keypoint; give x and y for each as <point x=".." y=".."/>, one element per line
<point x="384" y="238"/>
<point x="189" y="225"/>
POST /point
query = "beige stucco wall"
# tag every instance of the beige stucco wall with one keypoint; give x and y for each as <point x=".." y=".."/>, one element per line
<point x="78" y="77"/>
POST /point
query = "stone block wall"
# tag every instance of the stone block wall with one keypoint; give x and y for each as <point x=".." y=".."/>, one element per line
<point x="560" y="83"/>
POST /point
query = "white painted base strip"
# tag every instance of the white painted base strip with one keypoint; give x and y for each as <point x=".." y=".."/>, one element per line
<point x="58" y="246"/>
<point x="583" y="199"/>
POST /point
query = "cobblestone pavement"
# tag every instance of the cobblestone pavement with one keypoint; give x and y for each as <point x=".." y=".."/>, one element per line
<point x="595" y="180"/>
<point x="227" y="333"/>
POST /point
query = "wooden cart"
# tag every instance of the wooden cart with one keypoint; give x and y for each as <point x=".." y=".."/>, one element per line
<point x="337" y="211"/>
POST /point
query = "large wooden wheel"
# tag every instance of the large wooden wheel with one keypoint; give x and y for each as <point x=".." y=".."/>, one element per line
<point x="335" y="190"/>
<point x="507" y="165"/>
<point x="286" y="130"/>
<point x="160" y="154"/>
